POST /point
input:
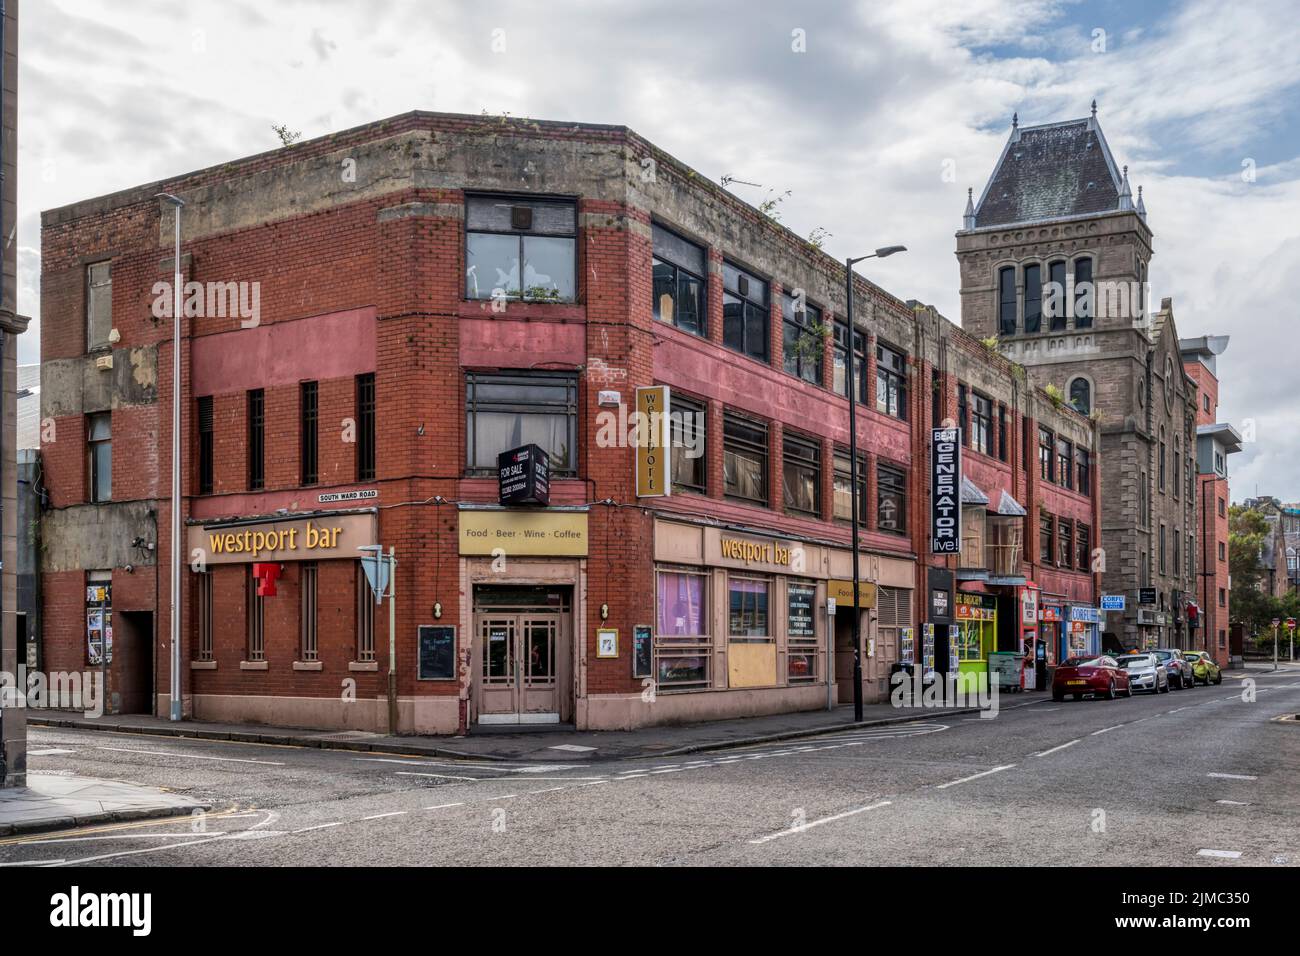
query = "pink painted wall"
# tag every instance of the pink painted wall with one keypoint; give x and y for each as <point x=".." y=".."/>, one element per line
<point x="502" y="342"/>
<point x="282" y="353"/>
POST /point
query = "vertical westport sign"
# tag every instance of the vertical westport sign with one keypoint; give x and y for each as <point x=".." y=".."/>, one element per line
<point x="945" y="496"/>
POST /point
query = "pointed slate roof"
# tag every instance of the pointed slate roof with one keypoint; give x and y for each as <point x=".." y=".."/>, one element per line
<point x="1051" y="171"/>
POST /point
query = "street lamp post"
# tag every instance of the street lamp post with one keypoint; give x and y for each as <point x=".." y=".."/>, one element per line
<point x="853" y="470"/>
<point x="177" y="204"/>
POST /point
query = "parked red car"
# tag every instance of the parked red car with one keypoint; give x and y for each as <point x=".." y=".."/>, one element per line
<point x="1090" y="675"/>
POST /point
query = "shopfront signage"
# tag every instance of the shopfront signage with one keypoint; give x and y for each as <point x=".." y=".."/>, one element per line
<point x="524" y="476"/>
<point x="841" y="592"/>
<point x="1146" y="595"/>
<point x="523" y="533"/>
<point x="945" y="498"/>
<point x="437" y="652"/>
<point x="1029" y="606"/>
<point x="303" y="539"/>
<point x="1050" y="615"/>
<point x="642" y="651"/>
<point x="976" y="607"/>
<point x="756" y="552"/>
<point x="1113" y="602"/>
<point x="1087" y="615"/>
<point x="653" y="442"/>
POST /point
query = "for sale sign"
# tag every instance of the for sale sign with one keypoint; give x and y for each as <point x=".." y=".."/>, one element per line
<point x="945" y="496"/>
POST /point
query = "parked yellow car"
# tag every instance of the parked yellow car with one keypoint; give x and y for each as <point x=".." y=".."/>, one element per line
<point x="1204" y="670"/>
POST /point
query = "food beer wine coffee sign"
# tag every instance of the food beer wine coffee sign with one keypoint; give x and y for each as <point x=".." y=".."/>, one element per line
<point x="945" y="498"/>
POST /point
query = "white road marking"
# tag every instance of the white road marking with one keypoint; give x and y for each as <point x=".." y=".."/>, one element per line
<point x="49" y="752"/>
<point x="320" y="826"/>
<point x="1055" y="749"/>
<point x="1233" y="803"/>
<point x="974" y="776"/>
<point x="1233" y="776"/>
<point x="1223" y="854"/>
<point x="574" y="748"/>
<point x="444" y="806"/>
<point x="380" y="816"/>
<point x="1105" y="730"/>
<point x="189" y="756"/>
<point x="440" y="776"/>
<point x="816" y="823"/>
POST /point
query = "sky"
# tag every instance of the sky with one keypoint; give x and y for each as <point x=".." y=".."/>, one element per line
<point x="874" y="116"/>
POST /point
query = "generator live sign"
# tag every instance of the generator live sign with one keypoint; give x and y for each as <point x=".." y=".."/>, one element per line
<point x="945" y="497"/>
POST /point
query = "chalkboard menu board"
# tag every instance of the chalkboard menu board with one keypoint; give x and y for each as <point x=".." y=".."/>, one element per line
<point x="437" y="652"/>
<point x="642" y="638"/>
<point x="801" y="597"/>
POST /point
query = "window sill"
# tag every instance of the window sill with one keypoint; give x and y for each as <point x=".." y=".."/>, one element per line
<point x="254" y="665"/>
<point x="308" y="665"/>
<point x="364" y="666"/>
<point x="203" y="665"/>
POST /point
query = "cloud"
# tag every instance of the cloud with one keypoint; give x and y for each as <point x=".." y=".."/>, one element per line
<point x="861" y="127"/>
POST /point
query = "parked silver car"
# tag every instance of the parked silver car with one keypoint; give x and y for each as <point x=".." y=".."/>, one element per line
<point x="1146" y="672"/>
<point x="1179" y="668"/>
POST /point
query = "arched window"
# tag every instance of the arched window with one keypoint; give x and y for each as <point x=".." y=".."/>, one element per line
<point x="1081" y="395"/>
<point x="1033" y="298"/>
<point x="1056" y="275"/>
<point x="1007" y="300"/>
<point x="1084" y="294"/>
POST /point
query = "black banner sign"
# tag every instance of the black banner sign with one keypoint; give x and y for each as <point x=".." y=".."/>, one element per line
<point x="523" y="476"/>
<point x="945" y="495"/>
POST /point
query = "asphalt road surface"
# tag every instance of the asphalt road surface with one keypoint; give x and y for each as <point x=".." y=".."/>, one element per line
<point x="1196" y="777"/>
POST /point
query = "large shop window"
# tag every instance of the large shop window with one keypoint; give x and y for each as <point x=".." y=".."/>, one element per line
<point x="504" y="411"/>
<point x="99" y="453"/>
<point x="687" y="433"/>
<point x="365" y="617"/>
<point x="520" y="248"/>
<point x="801" y="339"/>
<point x="99" y="305"/>
<point x="801" y="632"/>
<point x="891" y="382"/>
<point x="680" y="270"/>
<point x="891" y="499"/>
<point x="744" y="459"/>
<point x="844" y="487"/>
<point x="205" y="445"/>
<point x="682" y="647"/>
<point x="744" y="312"/>
<point x="802" y="475"/>
<point x="747" y="604"/>
<point x="841" y="357"/>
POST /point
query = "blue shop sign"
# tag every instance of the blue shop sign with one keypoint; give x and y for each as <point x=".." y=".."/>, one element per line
<point x="1089" y="615"/>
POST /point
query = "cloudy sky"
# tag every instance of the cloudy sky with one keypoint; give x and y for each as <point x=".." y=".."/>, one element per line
<point x="876" y="116"/>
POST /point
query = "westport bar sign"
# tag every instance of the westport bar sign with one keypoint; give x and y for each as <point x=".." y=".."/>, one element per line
<point x="319" y="537"/>
<point x="945" y="496"/>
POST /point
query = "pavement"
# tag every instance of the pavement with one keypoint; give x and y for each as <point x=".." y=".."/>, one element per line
<point x="59" y="801"/>
<point x="1202" y="777"/>
<point x="548" y="745"/>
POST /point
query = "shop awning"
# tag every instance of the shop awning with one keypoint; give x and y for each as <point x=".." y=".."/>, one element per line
<point x="1009" y="506"/>
<point x="971" y="494"/>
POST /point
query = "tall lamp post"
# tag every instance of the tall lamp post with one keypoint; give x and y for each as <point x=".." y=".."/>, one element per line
<point x="850" y="374"/>
<point x="177" y="204"/>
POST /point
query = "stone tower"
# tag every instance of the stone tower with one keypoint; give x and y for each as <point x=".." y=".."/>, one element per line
<point x="1054" y="258"/>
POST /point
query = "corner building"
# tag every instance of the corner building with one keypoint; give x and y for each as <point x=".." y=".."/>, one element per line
<point x="434" y="290"/>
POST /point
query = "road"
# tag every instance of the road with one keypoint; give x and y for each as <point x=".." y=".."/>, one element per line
<point x="1196" y="777"/>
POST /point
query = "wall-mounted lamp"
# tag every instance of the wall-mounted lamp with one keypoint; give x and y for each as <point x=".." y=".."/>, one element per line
<point x="437" y="610"/>
<point x="604" y="612"/>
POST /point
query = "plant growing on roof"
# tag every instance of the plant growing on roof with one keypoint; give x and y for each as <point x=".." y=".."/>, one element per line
<point x="1055" y="394"/>
<point x="287" y="136"/>
<point x="817" y="238"/>
<point x="990" y="343"/>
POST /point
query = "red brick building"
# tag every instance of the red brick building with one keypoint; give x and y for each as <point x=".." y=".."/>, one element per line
<point x="374" y="316"/>
<point x="1215" y="441"/>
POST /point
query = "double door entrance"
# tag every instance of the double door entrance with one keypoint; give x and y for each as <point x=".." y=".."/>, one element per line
<point x="523" y="669"/>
